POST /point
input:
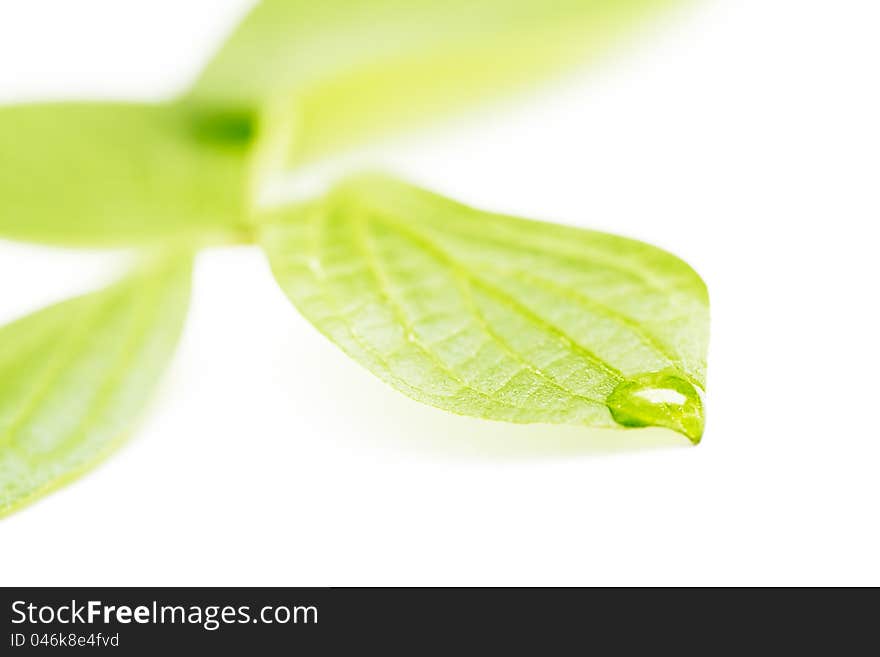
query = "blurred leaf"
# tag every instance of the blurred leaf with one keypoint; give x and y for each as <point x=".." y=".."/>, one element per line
<point x="119" y="173"/>
<point x="497" y="317"/>
<point x="348" y="70"/>
<point x="74" y="377"/>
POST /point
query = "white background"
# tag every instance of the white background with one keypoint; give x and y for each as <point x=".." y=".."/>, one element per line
<point x="741" y="134"/>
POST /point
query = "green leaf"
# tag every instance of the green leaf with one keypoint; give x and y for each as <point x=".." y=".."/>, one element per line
<point x="74" y="377"/>
<point x="348" y="71"/>
<point x="119" y="173"/>
<point x="497" y="317"/>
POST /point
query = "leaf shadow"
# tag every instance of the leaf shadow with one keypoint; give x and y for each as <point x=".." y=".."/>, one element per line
<point x="435" y="433"/>
<point x="373" y="411"/>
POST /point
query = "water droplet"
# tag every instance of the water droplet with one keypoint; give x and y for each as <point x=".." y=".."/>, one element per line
<point x="658" y="400"/>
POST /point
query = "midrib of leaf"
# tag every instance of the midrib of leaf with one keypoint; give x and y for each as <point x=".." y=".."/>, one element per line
<point x="410" y="335"/>
<point x="468" y="275"/>
<point x="317" y="219"/>
<point x="466" y="292"/>
<point x="376" y="268"/>
<point x="392" y="220"/>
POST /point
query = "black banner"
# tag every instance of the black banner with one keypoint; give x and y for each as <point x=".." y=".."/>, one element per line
<point x="330" y="621"/>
